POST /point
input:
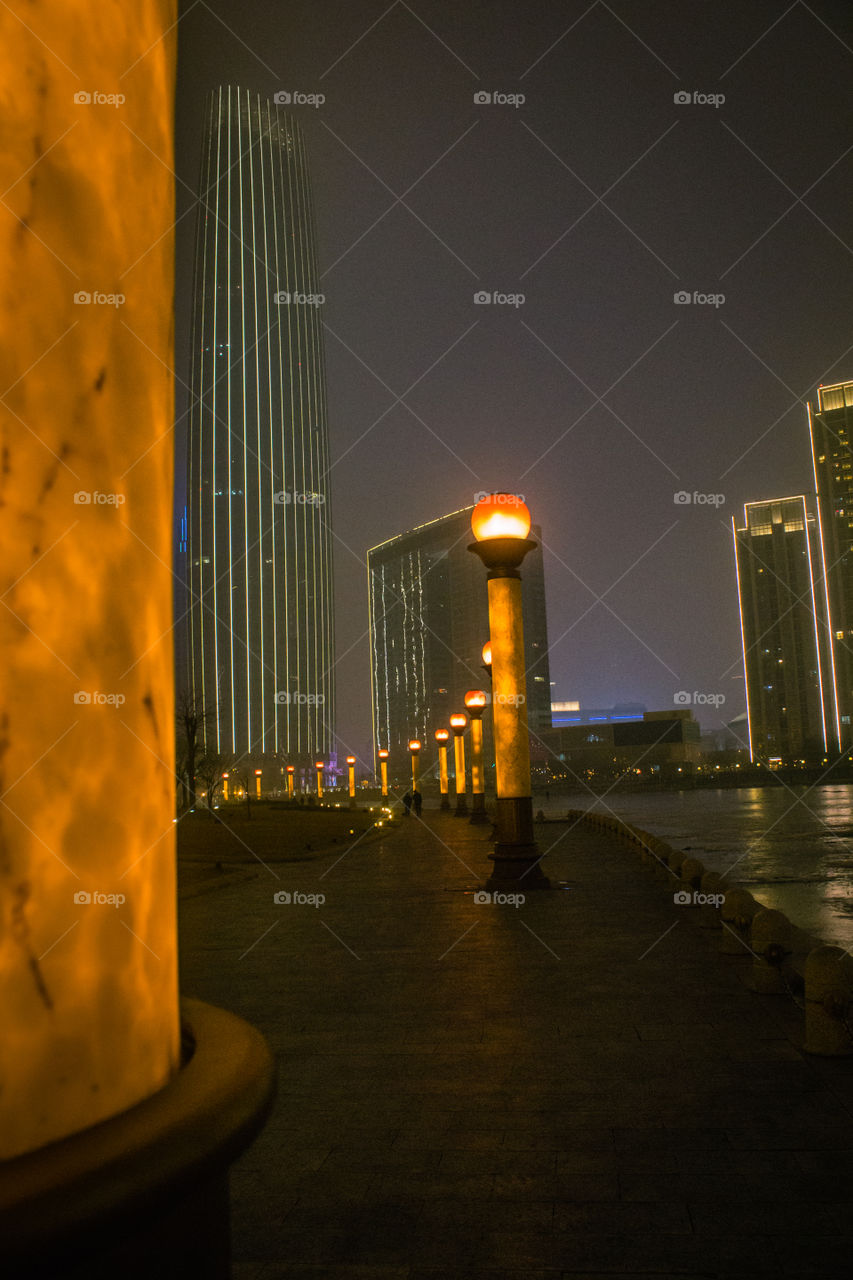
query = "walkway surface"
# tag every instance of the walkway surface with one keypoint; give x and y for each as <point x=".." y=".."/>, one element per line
<point x="577" y="1086"/>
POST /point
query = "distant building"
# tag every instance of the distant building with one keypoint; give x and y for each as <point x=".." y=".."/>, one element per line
<point x="259" y="559"/>
<point x="566" y="713"/>
<point x="665" y="743"/>
<point x="777" y="556"/>
<point x="831" y="431"/>
<point x="429" y="620"/>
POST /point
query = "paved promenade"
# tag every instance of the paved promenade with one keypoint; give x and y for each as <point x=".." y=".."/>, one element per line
<point x="579" y="1086"/>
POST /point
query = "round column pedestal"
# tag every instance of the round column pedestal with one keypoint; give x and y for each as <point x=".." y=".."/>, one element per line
<point x="146" y="1192"/>
<point x="445" y="804"/>
<point x="516" y="859"/>
<point x="461" y="810"/>
<point x="478" y="808"/>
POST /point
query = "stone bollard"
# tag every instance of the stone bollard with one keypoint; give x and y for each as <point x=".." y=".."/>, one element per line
<point x="771" y="944"/>
<point x="691" y="872"/>
<point x="736" y="915"/>
<point x="829" y="1002"/>
<point x="668" y="870"/>
<point x="711" y="887"/>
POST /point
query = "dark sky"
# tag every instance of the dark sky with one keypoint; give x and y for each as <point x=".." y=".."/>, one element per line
<point x="598" y="199"/>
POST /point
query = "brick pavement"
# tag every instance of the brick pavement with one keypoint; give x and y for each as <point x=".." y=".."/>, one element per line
<point x="576" y="1087"/>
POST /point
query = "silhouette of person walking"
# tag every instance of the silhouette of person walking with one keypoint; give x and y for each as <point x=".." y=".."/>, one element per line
<point x="417" y="802"/>
<point x="407" y="803"/>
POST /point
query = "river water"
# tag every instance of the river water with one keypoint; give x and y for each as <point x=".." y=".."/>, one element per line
<point x="792" y="847"/>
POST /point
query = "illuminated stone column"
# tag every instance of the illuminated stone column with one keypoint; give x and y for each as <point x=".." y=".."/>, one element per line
<point x="458" y="723"/>
<point x="415" y="753"/>
<point x="319" y="767"/>
<point x="383" y="771"/>
<point x="501" y="523"/>
<point x="475" y="702"/>
<point x="441" y="737"/>
<point x="351" y="768"/>
<point x="88" y="971"/>
<point x="291" y="769"/>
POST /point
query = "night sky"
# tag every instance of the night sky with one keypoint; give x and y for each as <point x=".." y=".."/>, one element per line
<point x="598" y="199"/>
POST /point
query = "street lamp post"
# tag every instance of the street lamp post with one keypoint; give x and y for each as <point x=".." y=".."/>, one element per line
<point x="487" y="658"/>
<point x="458" y="723"/>
<point x="225" y="786"/>
<point x="475" y="701"/>
<point x="415" y="751"/>
<point x="258" y="773"/>
<point x="351" y="767"/>
<point x="441" y="737"/>
<point x="383" y="770"/>
<point x="291" y="769"/>
<point x="501" y="524"/>
<point x="319" y="767"/>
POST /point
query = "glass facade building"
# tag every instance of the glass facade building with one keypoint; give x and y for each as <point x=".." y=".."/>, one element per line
<point x="260" y="635"/>
<point x="786" y="660"/>
<point x="831" y="431"/>
<point x="429" y="620"/>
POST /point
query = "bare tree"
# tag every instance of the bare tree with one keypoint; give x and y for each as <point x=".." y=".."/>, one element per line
<point x="209" y="770"/>
<point x="192" y="722"/>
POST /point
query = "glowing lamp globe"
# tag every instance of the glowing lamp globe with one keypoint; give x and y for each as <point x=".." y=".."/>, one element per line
<point x="475" y="699"/>
<point x="382" y="753"/>
<point x="258" y="772"/>
<point x="320" y="765"/>
<point x="487" y="653"/>
<point x="350" y="759"/>
<point x="414" y="746"/>
<point x="291" y="768"/>
<point x="458" y="722"/>
<point x="441" y="736"/>
<point x="500" y="515"/>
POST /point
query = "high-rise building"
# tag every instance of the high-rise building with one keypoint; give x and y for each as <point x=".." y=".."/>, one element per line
<point x="261" y="641"/>
<point x="786" y="665"/>
<point x="831" y="431"/>
<point x="429" y="620"/>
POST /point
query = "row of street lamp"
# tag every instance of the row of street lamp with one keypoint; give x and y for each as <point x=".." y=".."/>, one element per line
<point x="501" y="524"/>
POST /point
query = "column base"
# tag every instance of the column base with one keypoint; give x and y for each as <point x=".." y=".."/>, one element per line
<point x="478" y="809"/>
<point x="461" y="810"/>
<point x="516" y="857"/>
<point x="146" y="1189"/>
<point x="445" y="804"/>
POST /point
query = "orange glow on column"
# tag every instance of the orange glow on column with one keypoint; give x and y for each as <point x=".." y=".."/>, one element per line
<point x="88" y="955"/>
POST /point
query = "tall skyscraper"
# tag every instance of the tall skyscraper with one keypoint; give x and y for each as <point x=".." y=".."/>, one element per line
<point x="429" y="620"/>
<point x="261" y="643"/>
<point x="831" y="431"/>
<point x="786" y="664"/>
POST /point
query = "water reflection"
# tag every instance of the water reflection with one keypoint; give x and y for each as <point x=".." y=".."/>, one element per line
<point x="792" y="847"/>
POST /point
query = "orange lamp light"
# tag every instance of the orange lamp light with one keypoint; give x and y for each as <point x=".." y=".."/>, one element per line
<point x="500" y="515"/>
